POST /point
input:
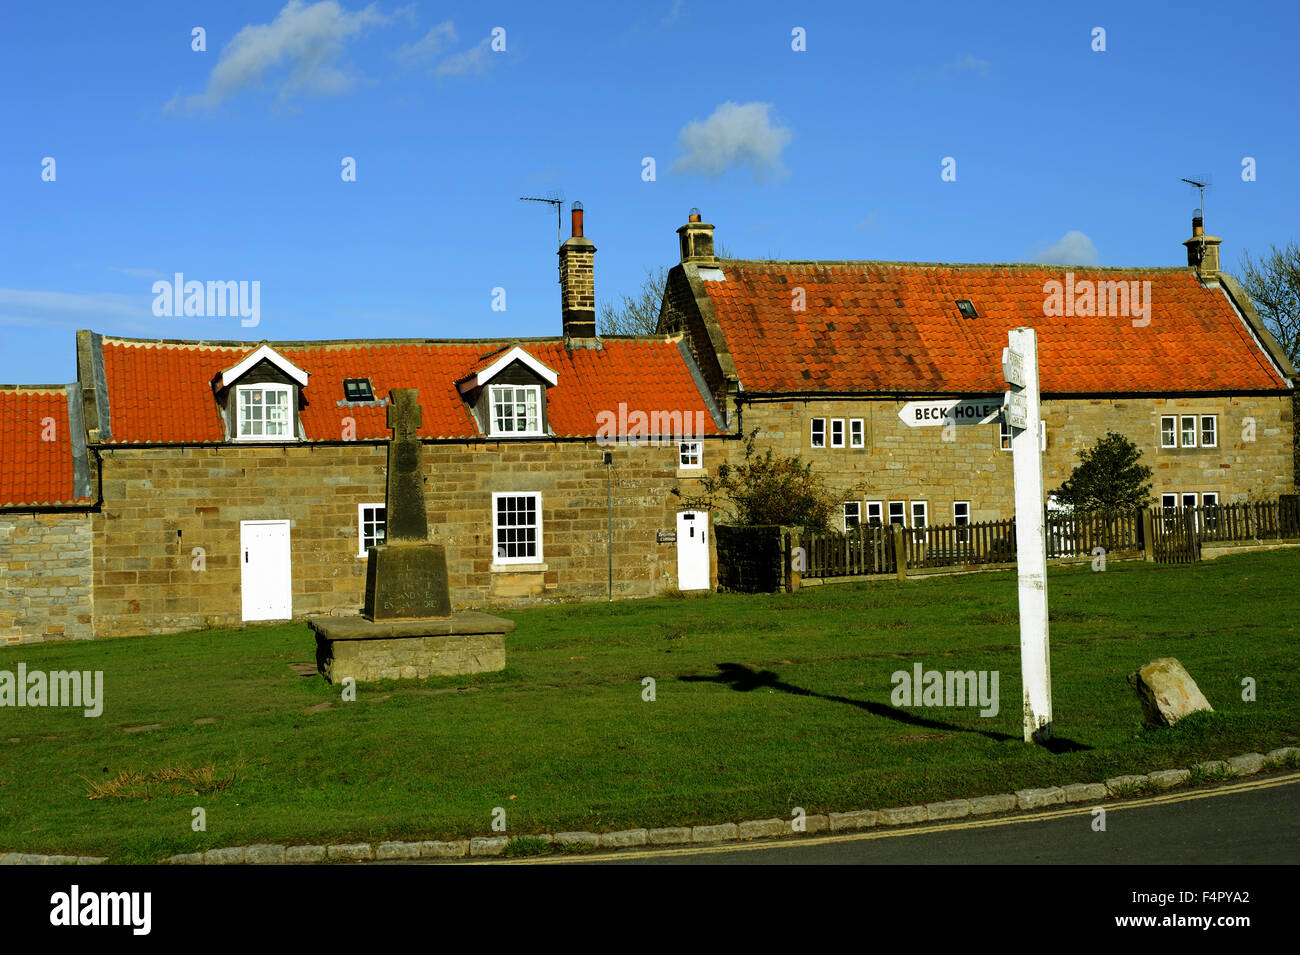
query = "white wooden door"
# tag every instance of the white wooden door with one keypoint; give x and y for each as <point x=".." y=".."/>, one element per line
<point x="693" y="550"/>
<point x="266" y="576"/>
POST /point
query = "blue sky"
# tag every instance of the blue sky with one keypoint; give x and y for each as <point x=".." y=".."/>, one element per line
<point x="226" y="164"/>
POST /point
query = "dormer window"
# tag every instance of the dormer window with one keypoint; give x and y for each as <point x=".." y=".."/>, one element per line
<point x="265" y="412"/>
<point x="358" y="389"/>
<point x="516" y="409"/>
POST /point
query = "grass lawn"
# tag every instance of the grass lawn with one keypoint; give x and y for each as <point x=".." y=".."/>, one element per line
<point x="763" y="703"/>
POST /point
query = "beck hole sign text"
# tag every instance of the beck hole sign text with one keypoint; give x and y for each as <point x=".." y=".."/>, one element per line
<point x="929" y="414"/>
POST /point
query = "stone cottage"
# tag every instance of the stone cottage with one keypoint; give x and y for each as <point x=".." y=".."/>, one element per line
<point x="884" y="374"/>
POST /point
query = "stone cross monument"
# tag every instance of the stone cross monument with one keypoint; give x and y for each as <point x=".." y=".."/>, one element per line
<point x="406" y="576"/>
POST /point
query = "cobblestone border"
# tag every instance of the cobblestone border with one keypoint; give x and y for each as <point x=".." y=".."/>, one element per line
<point x="1248" y="764"/>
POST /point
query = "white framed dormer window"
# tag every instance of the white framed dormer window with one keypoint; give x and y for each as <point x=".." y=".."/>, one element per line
<point x="1209" y="431"/>
<point x="516" y="410"/>
<point x="1168" y="431"/>
<point x="819" y="432"/>
<point x="857" y="433"/>
<point x="852" y="515"/>
<point x="372" y="524"/>
<point x="837" y="432"/>
<point x="517" y="528"/>
<point x="690" y="455"/>
<point x="264" y="412"/>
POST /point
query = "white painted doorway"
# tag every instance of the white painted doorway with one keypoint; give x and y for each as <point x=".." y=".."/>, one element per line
<point x="266" y="578"/>
<point x="693" y="550"/>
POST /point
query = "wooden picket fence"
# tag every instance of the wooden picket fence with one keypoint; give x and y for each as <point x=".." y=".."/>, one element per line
<point x="1176" y="536"/>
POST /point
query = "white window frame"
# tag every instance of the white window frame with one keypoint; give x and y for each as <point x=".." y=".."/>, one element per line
<point x="1213" y="432"/>
<point x="265" y="388"/>
<point x="361" y="524"/>
<point x="961" y="520"/>
<point x="878" y="509"/>
<point x="688" y="451"/>
<point x="1182" y="430"/>
<point x="497" y="558"/>
<point x="1168" y="502"/>
<point x="1187" y="499"/>
<point x="813" y="437"/>
<point x="857" y="433"/>
<point x="837" y="432"/>
<point x="494" y="430"/>
<point x="925" y="517"/>
<point x="1172" y="432"/>
<point x="902" y="505"/>
<point x="1004" y="435"/>
<point x="856" y="507"/>
<point x="1210" y="499"/>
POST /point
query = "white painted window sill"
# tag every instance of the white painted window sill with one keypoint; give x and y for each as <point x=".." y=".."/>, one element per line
<point x="518" y="568"/>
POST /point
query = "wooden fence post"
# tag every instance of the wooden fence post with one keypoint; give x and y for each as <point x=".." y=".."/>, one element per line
<point x="900" y="553"/>
<point x="1148" y="535"/>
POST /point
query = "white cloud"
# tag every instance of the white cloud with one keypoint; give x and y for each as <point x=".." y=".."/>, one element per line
<point x="1073" y="248"/>
<point x="474" y="60"/>
<point x="968" y="63"/>
<point x="138" y="273"/>
<point x="307" y="41"/>
<point x="735" y="135"/>
<point x="431" y="45"/>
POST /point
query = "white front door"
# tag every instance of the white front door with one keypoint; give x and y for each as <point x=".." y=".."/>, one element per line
<point x="266" y="577"/>
<point x="693" y="550"/>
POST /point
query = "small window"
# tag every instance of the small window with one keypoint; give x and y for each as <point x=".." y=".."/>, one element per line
<point x="1004" y="436"/>
<point x="961" y="517"/>
<point x="264" y="411"/>
<point x="1168" y="431"/>
<point x="837" y="432"/>
<point x="1209" y="431"/>
<point x="857" y="433"/>
<point x="516" y="409"/>
<point x="819" y="432"/>
<point x="852" y="514"/>
<point x="372" y="520"/>
<point x="358" y="389"/>
<point x="875" y="510"/>
<point x="690" y="455"/>
<point x="919" y="516"/>
<point x="897" y="513"/>
<point x="967" y="308"/>
<point x="1168" y="501"/>
<point x="1189" y="500"/>
<point x="1188" y="429"/>
<point x="1210" y="510"/>
<point x="517" y="528"/>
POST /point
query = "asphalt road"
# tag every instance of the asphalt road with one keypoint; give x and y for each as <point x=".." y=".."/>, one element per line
<point x="1248" y="822"/>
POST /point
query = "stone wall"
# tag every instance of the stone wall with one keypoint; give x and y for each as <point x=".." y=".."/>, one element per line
<point x="751" y="560"/>
<point x="162" y="503"/>
<point x="901" y="463"/>
<point x="45" y="591"/>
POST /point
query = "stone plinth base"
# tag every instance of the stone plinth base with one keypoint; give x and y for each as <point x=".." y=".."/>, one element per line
<point x="366" y="650"/>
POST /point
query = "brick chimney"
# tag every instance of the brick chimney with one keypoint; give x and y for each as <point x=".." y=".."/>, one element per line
<point x="578" y="281"/>
<point x="697" y="241"/>
<point x="1202" y="249"/>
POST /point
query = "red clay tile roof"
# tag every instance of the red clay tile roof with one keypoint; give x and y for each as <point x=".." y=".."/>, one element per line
<point x="161" y="392"/>
<point x="895" y="327"/>
<point x="34" y="471"/>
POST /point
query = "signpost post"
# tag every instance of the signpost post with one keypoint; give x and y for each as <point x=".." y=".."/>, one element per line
<point x="1021" y="410"/>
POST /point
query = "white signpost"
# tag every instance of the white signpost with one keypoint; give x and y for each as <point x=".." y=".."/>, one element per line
<point x="945" y="411"/>
<point x="1020" y="407"/>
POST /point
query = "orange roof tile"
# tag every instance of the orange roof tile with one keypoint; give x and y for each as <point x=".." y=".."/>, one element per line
<point x="895" y="327"/>
<point x="161" y="392"/>
<point x="36" y="463"/>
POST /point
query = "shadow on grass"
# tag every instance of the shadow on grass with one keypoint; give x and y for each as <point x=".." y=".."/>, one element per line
<point x="743" y="678"/>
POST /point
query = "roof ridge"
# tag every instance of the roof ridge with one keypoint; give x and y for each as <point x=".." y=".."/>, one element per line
<point x="885" y="263"/>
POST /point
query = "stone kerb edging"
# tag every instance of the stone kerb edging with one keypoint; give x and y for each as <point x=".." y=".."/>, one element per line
<point x="1247" y="764"/>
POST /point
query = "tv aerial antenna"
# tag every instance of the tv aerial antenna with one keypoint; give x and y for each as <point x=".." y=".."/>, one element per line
<point x="1201" y="183"/>
<point x="559" y="209"/>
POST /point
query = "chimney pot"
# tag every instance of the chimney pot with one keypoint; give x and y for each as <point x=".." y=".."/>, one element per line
<point x="575" y="216"/>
